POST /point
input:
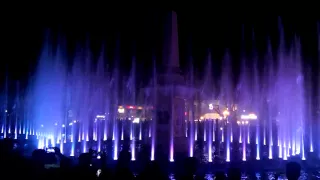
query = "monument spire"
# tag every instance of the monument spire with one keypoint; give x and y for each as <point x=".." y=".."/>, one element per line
<point x="171" y="44"/>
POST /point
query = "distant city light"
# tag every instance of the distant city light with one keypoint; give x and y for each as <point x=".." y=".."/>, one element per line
<point x="242" y="122"/>
<point x="226" y="113"/>
<point x="249" y="117"/>
<point x="100" y="116"/>
<point x="210" y="106"/>
<point x="121" y="110"/>
<point x="136" y="120"/>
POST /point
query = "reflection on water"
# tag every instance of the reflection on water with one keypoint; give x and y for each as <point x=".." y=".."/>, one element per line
<point x="268" y="175"/>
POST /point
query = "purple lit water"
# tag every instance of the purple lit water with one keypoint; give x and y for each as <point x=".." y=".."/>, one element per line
<point x="76" y="108"/>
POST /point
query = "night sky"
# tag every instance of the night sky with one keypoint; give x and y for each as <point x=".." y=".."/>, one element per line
<point x="141" y="33"/>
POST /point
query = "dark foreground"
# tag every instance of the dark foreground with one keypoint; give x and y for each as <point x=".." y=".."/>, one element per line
<point x="44" y="165"/>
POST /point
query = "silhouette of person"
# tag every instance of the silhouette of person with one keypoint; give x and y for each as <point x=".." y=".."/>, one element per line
<point x="190" y="167"/>
<point x="293" y="171"/>
<point x="234" y="174"/>
<point x="122" y="168"/>
<point x="152" y="171"/>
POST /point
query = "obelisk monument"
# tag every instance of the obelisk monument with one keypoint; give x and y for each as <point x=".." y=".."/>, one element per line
<point x="171" y="95"/>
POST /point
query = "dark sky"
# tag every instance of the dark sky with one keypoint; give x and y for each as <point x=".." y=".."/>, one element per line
<point x="140" y="32"/>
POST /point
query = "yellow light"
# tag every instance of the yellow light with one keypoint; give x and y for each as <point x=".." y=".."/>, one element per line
<point x="121" y="110"/>
<point x="226" y="113"/>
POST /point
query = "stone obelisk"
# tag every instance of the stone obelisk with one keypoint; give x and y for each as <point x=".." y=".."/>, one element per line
<point x="171" y="95"/>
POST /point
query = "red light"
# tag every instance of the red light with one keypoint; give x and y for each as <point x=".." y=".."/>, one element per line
<point x="131" y="107"/>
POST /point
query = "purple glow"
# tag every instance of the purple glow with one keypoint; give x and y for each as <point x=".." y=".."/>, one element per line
<point x="115" y="142"/>
<point x="133" y="151"/>
<point x="205" y="130"/>
<point x="77" y="107"/>
<point x="133" y="144"/>
<point x="171" y="158"/>
<point x="222" y="134"/>
<point x="122" y="132"/>
<point x="131" y="131"/>
<point x="231" y="133"/>
<point x="209" y="142"/>
<point x="228" y="144"/>
<point x="140" y="131"/>
<point x="240" y="134"/>
<point x="196" y="132"/>
<point x="244" y="153"/>
<point x="153" y="124"/>
<point x="258" y="142"/>
<point x="191" y="131"/>
<point x="248" y="135"/>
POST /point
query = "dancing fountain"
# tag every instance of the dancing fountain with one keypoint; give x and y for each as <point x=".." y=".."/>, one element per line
<point x="84" y="107"/>
<point x="318" y="109"/>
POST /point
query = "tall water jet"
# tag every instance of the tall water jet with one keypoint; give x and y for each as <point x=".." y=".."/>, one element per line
<point x="171" y="124"/>
<point x="77" y="82"/>
<point x="48" y="90"/>
<point x="244" y="148"/>
<point x="244" y="97"/>
<point x="16" y="109"/>
<point x="204" y="131"/>
<point x="289" y="76"/>
<point x="131" y="86"/>
<point x="318" y="91"/>
<point x="256" y="98"/>
<point x="140" y="131"/>
<point x="225" y="95"/>
<point x="116" y="101"/>
<point x="309" y="116"/>
<point x="5" y="109"/>
<point x="85" y="112"/>
<point x="100" y="99"/>
<point x="207" y="93"/>
<point x="300" y="83"/>
<point x="270" y="96"/>
<point x="107" y="108"/>
<point x="196" y="132"/>
<point x="154" y="115"/>
<point x="228" y="132"/>
<point x="257" y="107"/>
<point x="191" y="112"/>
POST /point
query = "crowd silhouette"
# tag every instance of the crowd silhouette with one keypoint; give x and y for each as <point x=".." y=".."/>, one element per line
<point x="42" y="166"/>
